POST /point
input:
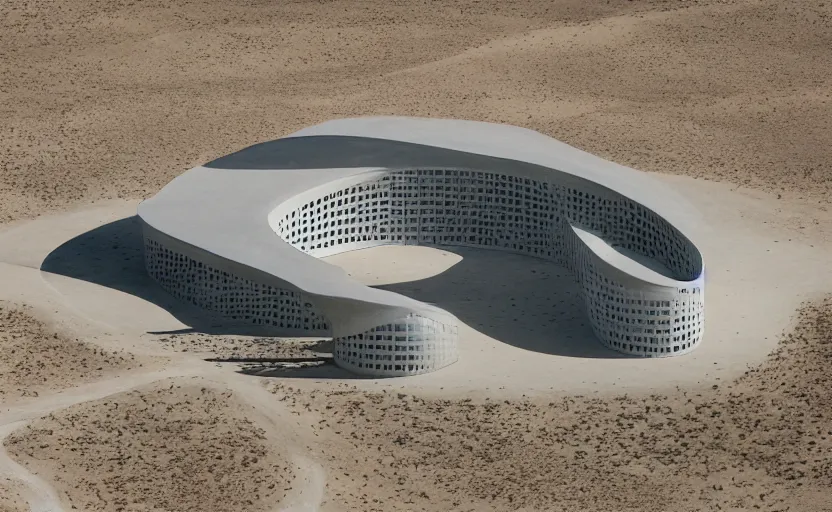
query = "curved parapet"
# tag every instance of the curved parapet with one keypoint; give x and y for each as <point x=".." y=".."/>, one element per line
<point x="242" y="235"/>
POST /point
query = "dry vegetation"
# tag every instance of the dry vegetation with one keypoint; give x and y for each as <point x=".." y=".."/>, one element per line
<point x="113" y="98"/>
<point x="762" y="442"/>
<point x="171" y="447"/>
<point x="34" y="358"/>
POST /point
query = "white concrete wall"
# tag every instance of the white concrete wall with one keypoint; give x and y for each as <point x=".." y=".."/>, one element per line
<point x="633" y="314"/>
<point x="631" y="309"/>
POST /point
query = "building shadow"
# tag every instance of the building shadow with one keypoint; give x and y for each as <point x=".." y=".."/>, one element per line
<point x="322" y="372"/>
<point x="525" y="302"/>
<point x="112" y="256"/>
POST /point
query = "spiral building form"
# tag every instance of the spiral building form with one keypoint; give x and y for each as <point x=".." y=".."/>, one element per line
<point x="242" y="235"/>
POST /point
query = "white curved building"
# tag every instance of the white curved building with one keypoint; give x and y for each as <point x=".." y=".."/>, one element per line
<point x="241" y="235"/>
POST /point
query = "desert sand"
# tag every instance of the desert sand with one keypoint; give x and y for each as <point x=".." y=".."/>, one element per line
<point x="35" y="359"/>
<point x="114" y="396"/>
<point x="130" y="441"/>
<point x="10" y="499"/>
<point x="761" y="441"/>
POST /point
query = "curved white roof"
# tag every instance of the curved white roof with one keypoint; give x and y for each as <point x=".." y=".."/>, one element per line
<point x="223" y="207"/>
<point x="513" y="143"/>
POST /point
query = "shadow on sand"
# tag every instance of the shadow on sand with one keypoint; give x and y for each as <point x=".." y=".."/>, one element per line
<point x="111" y="256"/>
<point x="521" y="301"/>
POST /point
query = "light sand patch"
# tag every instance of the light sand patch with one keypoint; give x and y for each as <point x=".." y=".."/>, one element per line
<point x="172" y="446"/>
<point x="762" y="441"/>
<point x="93" y="258"/>
<point x="35" y="358"/>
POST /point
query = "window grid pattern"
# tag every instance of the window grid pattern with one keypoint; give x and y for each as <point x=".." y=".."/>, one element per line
<point x="345" y="219"/>
<point x="639" y="322"/>
<point x="194" y="282"/>
<point x="484" y="210"/>
<point x="412" y="346"/>
<point x="521" y="215"/>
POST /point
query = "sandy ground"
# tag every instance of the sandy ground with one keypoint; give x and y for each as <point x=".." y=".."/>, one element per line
<point x="123" y="452"/>
<point x="762" y="441"/>
<point x="117" y="444"/>
<point x="104" y="102"/>
<point x="107" y="99"/>
<point x="10" y="499"/>
<point x="35" y="358"/>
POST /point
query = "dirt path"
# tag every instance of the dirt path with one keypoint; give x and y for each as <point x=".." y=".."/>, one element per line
<point x="41" y="496"/>
<point x="311" y="477"/>
<point x="308" y="496"/>
<point x="46" y="404"/>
